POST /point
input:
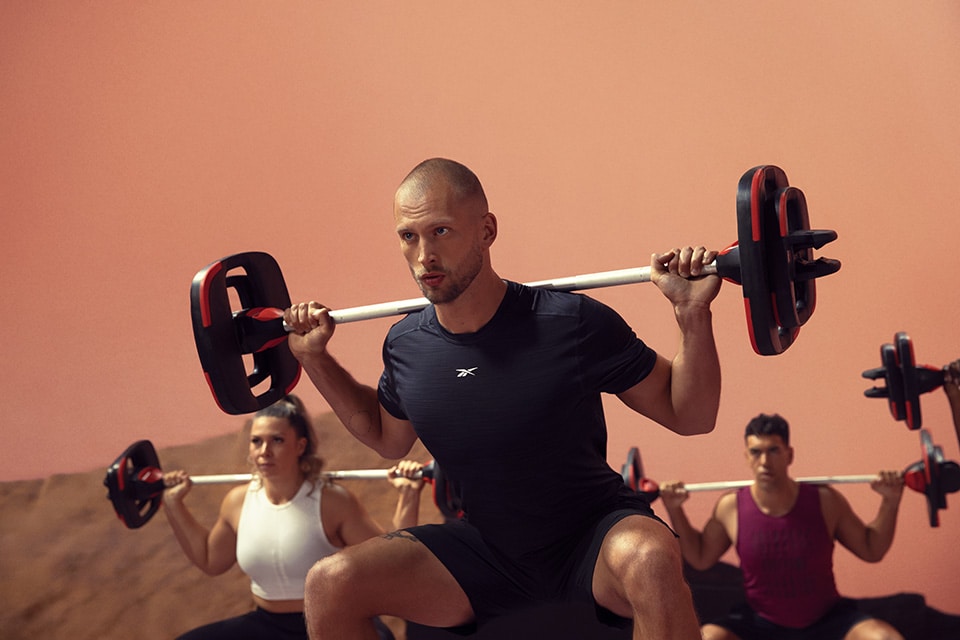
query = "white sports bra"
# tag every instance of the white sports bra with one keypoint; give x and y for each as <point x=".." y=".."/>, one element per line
<point x="278" y="543"/>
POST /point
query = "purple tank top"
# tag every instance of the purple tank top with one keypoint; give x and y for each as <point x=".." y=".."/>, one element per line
<point x="787" y="562"/>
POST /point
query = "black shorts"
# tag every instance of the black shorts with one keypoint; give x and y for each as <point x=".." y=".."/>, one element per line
<point x="260" y="624"/>
<point x="835" y="624"/>
<point x="497" y="585"/>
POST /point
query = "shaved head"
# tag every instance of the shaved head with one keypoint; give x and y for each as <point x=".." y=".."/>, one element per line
<point x="462" y="182"/>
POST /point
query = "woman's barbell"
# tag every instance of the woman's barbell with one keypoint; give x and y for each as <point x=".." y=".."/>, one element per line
<point x="772" y="260"/>
<point x="932" y="476"/>
<point x="135" y="486"/>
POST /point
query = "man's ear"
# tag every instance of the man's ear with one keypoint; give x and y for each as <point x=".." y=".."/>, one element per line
<point x="489" y="228"/>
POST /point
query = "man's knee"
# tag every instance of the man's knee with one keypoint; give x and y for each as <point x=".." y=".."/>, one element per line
<point x="644" y="559"/>
<point x="873" y="629"/>
<point x="649" y="554"/>
<point x="716" y="632"/>
<point x="327" y="580"/>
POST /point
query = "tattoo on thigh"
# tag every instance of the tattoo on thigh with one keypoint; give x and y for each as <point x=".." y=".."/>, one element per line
<point x="402" y="535"/>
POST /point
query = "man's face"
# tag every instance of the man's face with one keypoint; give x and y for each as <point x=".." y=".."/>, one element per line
<point x="768" y="457"/>
<point x="442" y="239"/>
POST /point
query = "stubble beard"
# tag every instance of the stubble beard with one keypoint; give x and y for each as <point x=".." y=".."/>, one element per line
<point x="456" y="281"/>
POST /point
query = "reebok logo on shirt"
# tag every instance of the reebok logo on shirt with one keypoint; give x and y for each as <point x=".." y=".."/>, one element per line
<point x="463" y="373"/>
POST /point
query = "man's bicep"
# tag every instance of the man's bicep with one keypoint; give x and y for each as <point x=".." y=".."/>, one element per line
<point x="716" y="541"/>
<point x="720" y="530"/>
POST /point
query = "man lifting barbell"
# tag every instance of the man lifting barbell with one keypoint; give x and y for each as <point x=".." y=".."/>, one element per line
<point x="502" y="383"/>
<point x="489" y="376"/>
<point x="784" y="533"/>
<point x="772" y="260"/>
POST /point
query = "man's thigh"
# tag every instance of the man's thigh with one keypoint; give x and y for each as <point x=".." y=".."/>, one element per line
<point x="397" y="575"/>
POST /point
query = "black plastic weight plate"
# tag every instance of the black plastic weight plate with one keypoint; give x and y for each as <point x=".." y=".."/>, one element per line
<point x="795" y="298"/>
<point x="907" y="369"/>
<point x="134" y="502"/>
<point x="224" y="337"/>
<point x="777" y="268"/>
<point x="894" y="378"/>
<point x="632" y="469"/>
<point x="892" y="374"/>
<point x="446" y="495"/>
<point x="757" y="225"/>
<point x="932" y="459"/>
<point x="905" y="381"/>
<point x="942" y="477"/>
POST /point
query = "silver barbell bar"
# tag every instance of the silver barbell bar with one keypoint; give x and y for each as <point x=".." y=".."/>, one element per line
<point x="737" y="484"/>
<point x="634" y="275"/>
<point x="359" y="474"/>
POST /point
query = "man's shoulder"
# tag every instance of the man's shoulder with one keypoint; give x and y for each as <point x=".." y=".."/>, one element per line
<point x="727" y="503"/>
<point x="549" y="301"/>
<point x="412" y="322"/>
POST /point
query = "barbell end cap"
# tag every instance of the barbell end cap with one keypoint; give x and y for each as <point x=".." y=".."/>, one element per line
<point x="949" y="477"/>
<point x="728" y="264"/>
<point x="929" y="378"/>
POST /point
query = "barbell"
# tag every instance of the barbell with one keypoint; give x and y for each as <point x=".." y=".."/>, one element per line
<point x="904" y="381"/>
<point x="932" y="476"/>
<point x="135" y="486"/>
<point x="772" y="260"/>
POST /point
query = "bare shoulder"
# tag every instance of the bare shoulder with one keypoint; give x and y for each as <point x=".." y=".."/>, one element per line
<point x="830" y="497"/>
<point x="833" y="506"/>
<point x="340" y="514"/>
<point x="725" y="510"/>
<point x="337" y="499"/>
<point x="232" y="505"/>
<point x="726" y="504"/>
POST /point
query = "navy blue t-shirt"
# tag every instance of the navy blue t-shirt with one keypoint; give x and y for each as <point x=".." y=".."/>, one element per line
<point x="513" y="412"/>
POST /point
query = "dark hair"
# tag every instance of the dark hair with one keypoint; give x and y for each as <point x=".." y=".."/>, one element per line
<point x="768" y="425"/>
<point x="464" y="182"/>
<point x="292" y="409"/>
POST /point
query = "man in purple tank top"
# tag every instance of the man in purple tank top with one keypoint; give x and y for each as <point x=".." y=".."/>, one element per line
<point x="784" y="533"/>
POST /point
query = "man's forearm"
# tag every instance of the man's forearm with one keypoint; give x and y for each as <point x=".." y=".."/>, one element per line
<point x="880" y="531"/>
<point x="953" y="397"/>
<point x="690" y="538"/>
<point x="407" y="512"/>
<point x="695" y="378"/>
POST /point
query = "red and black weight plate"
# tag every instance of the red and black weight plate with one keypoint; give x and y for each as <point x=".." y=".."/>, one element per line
<point x="892" y="376"/>
<point x="632" y="469"/>
<point x="135" y="484"/>
<point x="911" y="389"/>
<point x="446" y="494"/>
<point x="942" y="477"/>
<point x="932" y="458"/>
<point x="777" y="268"/>
<point x="225" y="336"/>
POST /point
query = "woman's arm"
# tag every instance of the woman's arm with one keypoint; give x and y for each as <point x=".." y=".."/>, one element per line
<point x="213" y="551"/>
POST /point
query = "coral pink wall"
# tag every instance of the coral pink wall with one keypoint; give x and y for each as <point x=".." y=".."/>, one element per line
<point x="140" y="142"/>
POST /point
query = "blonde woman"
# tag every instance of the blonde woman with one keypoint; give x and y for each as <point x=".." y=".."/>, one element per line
<point x="276" y="527"/>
